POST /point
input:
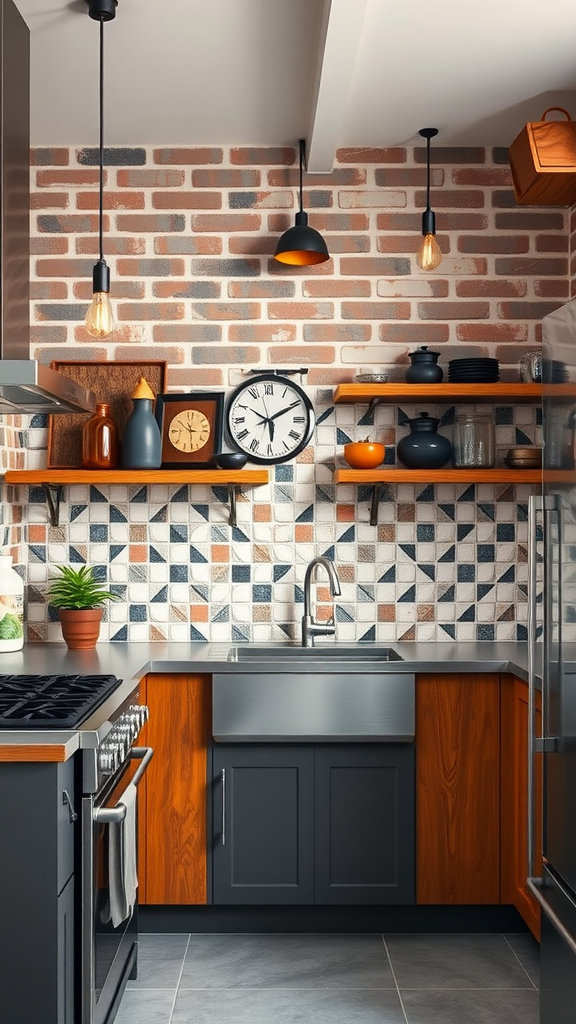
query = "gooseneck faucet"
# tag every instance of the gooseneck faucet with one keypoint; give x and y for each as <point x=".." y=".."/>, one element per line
<point x="310" y="627"/>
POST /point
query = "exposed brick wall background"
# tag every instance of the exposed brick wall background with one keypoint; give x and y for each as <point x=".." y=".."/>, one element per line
<point x="189" y="236"/>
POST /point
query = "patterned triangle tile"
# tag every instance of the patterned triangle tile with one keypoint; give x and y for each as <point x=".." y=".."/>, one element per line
<point x="449" y="510"/>
<point x="486" y="512"/>
<point x="202" y="510"/>
<point x="389" y="576"/>
<point x="449" y="555"/>
<point x="410" y="634"/>
<point x="521" y="437"/>
<point x="468" y="495"/>
<point x="181" y="495"/>
<point x="195" y="634"/>
<point x="447" y="594"/>
<point x="325" y="495"/>
<point x="76" y="555"/>
<point x="76" y="511"/>
<point x="306" y="516"/>
<point x="428" y="570"/>
<point x="330" y="553"/>
<point x="140" y="496"/>
<point x="468" y="615"/>
<point x="96" y="495"/>
<point x="409" y="596"/>
<point x="161" y="516"/>
<point x="115" y="550"/>
<point x="342" y="615"/>
<point x="508" y="615"/>
<point x="462" y="530"/>
<point x="427" y="494"/>
<point x="449" y="629"/>
<point x="508" y="576"/>
<point x="521" y="632"/>
<point x="325" y="415"/>
<point x="160" y="597"/>
<point x="279" y="571"/>
<point x="341" y="437"/>
<point x="240" y="634"/>
<point x="155" y="555"/>
<point x="122" y="634"/>
<point x="482" y="589"/>
<point x="409" y="549"/>
<point x="369" y="636"/>
<point x="222" y="615"/>
<point x="156" y="634"/>
<point x="178" y="534"/>
<point x="348" y="536"/>
<point x="367" y="418"/>
<point x="116" y="515"/>
<point x="239" y="535"/>
<point x="365" y="593"/>
<point x="202" y="590"/>
<point x="37" y="552"/>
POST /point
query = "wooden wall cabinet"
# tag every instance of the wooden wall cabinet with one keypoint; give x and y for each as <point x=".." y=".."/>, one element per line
<point x="514" y="803"/>
<point x="458" y="788"/>
<point x="172" y="806"/>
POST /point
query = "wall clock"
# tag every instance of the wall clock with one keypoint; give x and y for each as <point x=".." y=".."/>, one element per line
<point x="270" y="418"/>
<point x="191" y="428"/>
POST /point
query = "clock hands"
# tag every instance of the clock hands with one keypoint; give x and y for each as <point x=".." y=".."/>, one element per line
<point x="286" y="409"/>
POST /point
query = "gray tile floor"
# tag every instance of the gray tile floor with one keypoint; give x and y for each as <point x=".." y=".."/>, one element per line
<point x="334" y="979"/>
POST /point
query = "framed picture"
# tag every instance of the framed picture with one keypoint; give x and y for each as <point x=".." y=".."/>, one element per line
<point x="191" y="428"/>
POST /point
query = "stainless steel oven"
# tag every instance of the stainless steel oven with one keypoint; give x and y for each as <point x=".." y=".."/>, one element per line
<point x="109" y="928"/>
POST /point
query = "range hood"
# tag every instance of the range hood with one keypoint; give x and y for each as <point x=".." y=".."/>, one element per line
<point x="27" y="386"/>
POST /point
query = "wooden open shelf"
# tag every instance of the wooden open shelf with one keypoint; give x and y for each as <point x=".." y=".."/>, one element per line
<point x="501" y="393"/>
<point x="53" y="480"/>
<point x="437" y="476"/>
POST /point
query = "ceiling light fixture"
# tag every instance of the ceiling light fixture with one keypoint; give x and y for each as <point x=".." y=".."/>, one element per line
<point x="100" y="316"/>
<point x="429" y="254"/>
<point x="301" y="246"/>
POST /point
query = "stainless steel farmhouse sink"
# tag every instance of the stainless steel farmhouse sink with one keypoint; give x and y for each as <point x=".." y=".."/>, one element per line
<point x="326" y="652"/>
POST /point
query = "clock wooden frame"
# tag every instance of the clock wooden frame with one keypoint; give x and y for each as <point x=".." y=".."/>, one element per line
<point x="211" y="405"/>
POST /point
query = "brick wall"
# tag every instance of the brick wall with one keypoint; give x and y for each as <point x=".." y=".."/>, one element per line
<point x="189" y="236"/>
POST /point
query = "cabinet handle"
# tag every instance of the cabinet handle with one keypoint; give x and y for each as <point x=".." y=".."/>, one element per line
<point x="223" y="777"/>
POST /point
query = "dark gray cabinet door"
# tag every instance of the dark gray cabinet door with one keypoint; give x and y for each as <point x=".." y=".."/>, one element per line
<point x="364" y="824"/>
<point x="262" y="822"/>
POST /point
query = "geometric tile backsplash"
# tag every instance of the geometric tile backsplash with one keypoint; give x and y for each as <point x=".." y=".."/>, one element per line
<point x="445" y="562"/>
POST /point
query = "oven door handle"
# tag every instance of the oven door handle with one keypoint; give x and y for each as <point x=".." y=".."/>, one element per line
<point x="116" y="814"/>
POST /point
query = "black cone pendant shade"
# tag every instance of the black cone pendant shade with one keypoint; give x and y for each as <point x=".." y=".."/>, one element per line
<point x="429" y="254"/>
<point x="100" y="316"/>
<point x="301" y="246"/>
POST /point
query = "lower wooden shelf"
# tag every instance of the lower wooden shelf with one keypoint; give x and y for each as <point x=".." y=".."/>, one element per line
<point x="392" y="475"/>
<point x="53" y="480"/>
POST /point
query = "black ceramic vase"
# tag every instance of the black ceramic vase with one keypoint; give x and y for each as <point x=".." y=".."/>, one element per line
<point x="424" y="368"/>
<point x="424" y="447"/>
<point x="141" y="441"/>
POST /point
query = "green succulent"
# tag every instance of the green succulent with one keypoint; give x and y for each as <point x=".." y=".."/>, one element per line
<point x="78" y="588"/>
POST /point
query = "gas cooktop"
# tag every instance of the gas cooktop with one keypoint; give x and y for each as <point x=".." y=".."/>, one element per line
<point x="51" y="701"/>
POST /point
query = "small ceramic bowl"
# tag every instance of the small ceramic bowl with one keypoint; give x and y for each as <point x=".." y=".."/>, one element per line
<point x="231" y="460"/>
<point x="364" y="454"/>
<point x="371" y="378"/>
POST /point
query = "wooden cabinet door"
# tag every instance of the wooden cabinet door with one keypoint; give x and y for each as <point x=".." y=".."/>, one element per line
<point x="458" y="788"/>
<point x="172" y="805"/>
<point x="263" y="799"/>
<point x="514" y="768"/>
<point x="364" y="823"/>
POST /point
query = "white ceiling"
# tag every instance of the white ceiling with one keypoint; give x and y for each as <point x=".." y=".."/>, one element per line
<point x="268" y="72"/>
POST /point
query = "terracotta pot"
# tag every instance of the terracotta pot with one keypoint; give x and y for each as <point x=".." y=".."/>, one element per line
<point x="80" y="627"/>
<point x="364" y="454"/>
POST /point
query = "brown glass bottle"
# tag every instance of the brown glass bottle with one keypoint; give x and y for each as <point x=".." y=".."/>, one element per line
<point x="100" y="440"/>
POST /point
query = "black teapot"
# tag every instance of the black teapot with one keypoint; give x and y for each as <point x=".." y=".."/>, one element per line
<point x="423" y="447"/>
<point x="424" y="368"/>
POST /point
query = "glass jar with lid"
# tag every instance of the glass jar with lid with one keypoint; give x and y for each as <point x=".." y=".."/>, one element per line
<point x="474" y="441"/>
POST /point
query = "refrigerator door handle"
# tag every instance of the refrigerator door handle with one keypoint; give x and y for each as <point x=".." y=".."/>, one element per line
<point x="536" y="885"/>
<point x="535" y="506"/>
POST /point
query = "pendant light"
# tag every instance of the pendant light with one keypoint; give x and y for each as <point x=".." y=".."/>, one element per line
<point x="100" y="316"/>
<point x="429" y="254"/>
<point x="301" y="246"/>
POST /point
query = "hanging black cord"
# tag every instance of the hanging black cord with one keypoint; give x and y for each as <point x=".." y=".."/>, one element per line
<point x="301" y="166"/>
<point x="101" y="143"/>
<point x="428" y="173"/>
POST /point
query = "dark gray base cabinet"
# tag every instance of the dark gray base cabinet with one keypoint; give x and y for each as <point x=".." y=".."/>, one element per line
<point x="302" y="824"/>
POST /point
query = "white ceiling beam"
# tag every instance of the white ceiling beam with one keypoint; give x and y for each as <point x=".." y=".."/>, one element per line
<point x="343" y="22"/>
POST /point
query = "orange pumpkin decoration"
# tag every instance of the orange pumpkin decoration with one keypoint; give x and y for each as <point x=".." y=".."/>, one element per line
<point x="364" y="454"/>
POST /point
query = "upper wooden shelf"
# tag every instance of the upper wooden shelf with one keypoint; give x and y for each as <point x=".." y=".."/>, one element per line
<point x="494" y="394"/>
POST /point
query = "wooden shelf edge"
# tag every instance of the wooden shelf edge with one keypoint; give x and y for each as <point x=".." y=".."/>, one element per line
<point x="437" y="476"/>
<point x="136" y="476"/>
<point x="493" y="394"/>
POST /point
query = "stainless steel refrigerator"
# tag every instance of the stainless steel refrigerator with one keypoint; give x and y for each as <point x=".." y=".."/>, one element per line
<point x="556" y="889"/>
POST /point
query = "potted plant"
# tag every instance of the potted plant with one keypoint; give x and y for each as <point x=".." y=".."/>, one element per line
<point x="79" y="598"/>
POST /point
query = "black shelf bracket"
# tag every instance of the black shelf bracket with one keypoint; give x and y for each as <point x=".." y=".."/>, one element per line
<point x="232" y="492"/>
<point x="374" y="403"/>
<point x="53" y="494"/>
<point x="378" y="491"/>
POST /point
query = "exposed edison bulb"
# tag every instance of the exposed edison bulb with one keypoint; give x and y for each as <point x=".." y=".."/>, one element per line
<point x="100" y="321"/>
<point x="429" y="254"/>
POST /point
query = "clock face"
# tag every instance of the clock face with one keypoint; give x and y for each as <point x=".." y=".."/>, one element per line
<point x="189" y="430"/>
<point x="270" y="418"/>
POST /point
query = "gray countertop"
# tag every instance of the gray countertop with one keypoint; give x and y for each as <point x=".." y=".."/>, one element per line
<point x="133" y="661"/>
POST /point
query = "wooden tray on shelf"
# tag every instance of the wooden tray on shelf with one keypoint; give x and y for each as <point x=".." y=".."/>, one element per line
<point x="110" y="382"/>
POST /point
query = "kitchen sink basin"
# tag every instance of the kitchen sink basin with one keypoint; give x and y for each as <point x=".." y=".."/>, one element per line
<point x="285" y="652"/>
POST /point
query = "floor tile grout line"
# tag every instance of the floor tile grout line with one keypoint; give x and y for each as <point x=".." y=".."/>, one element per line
<point x="520" y="962"/>
<point x="177" y="989"/>
<point x="398" y="992"/>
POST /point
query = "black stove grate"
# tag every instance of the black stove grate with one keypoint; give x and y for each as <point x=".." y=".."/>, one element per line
<point x="51" y="701"/>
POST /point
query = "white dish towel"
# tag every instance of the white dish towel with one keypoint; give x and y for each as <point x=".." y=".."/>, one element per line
<point x="122" y="867"/>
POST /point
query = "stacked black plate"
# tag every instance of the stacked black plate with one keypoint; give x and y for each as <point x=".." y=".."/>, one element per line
<point x="554" y="371"/>
<point x="473" y="371"/>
